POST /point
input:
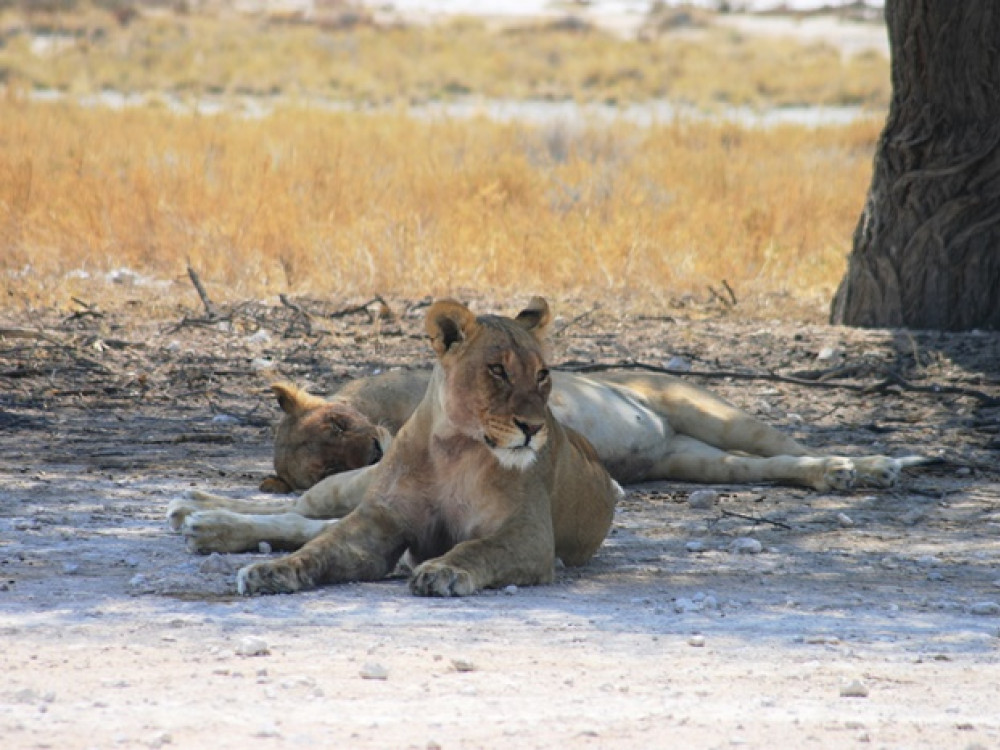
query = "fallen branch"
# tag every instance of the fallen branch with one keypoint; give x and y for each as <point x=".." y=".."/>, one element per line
<point x="755" y="519"/>
<point x="362" y="308"/>
<point x="196" y="280"/>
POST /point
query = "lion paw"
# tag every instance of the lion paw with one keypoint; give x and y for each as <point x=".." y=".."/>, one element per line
<point x="435" y="578"/>
<point x="838" y="474"/>
<point x="878" y="471"/>
<point x="178" y="511"/>
<point x="207" y="531"/>
<point x="271" y="577"/>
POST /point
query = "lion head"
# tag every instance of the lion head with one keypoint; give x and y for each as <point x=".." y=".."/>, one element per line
<point x="496" y="384"/>
<point x="317" y="438"/>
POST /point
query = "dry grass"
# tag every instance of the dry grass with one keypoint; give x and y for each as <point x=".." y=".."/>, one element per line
<point x="317" y="203"/>
<point x="83" y="52"/>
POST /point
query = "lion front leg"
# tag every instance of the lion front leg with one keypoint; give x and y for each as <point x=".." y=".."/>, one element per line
<point x="365" y="546"/>
<point x="521" y="553"/>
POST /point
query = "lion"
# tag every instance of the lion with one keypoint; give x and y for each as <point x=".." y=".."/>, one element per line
<point x="481" y="486"/>
<point x="643" y="426"/>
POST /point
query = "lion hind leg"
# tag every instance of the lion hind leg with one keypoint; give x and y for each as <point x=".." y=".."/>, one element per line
<point x="197" y="501"/>
<point x="712" y="420"/>
<point x="225" y="531"/>
<point x="695" y="461"/>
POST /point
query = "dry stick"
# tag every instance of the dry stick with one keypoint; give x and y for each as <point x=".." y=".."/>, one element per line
<point x="298" y="310"/>
<point x="891" y="379"/>
<point x="755" y="519"/>
<point x="362" y="308"/>
<point x="209" y="307"/>
<point x="576" y="320"/>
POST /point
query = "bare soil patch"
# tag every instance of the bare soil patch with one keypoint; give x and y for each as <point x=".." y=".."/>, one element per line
<point x="865" y="617"/>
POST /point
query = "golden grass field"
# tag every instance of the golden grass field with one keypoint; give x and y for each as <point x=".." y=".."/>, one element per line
<point x="313" y="202"/>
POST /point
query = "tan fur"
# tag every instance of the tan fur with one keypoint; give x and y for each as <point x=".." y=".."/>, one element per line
<point x="644" y="426"/>
<point x="482" y="486"/>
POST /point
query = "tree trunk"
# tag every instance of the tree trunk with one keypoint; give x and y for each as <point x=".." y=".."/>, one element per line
<point x="927" y="247"/>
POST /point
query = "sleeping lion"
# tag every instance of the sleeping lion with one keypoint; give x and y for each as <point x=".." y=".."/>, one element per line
<point x="478" y="468"/>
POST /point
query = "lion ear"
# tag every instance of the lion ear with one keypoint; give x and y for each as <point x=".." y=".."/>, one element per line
<point x="448" y="323"/>
<point x="535" y="317"/>
<point x="294" y="400"/>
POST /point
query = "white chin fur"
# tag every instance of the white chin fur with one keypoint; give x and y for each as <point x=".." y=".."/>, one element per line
<point x="515" y="458"/>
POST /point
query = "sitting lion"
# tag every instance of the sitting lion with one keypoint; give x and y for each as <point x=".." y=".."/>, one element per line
<point x="482" y="486"/>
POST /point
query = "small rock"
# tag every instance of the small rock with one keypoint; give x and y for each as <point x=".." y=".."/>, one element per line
<point x="854" y="689"/>
<point x="159" y="740"/>
<point x="261" y="363"/>
<point x="225" y="419"/>
<point x="828" y="354"/>
<point x="461" y="665"/>
<point x="374" y="672"/>
<point x="216" y="563"/>
<point x="264" y="548"/>
<point x="703" y="499"/>
<point x="985" y="608"/>
<point x="682" y="605"/>
<point x="70" y="569"/>
<point x="678" y="364"/>
<point x="510" y="590"/>
<point x="746" y="545"/>
<point x="261" y="337"/>
<point x="252" y="646"/>
<point x="698" y="641"/>
<point x="845" y="520"/>
<point x="695" y="546"/>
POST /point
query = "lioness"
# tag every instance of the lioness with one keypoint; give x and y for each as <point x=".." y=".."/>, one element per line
<point x="481" y="485"/>
<point x="647" y="426"/>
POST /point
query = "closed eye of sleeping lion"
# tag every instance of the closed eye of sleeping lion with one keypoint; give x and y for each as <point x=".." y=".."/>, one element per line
<point x="481" y="485"/>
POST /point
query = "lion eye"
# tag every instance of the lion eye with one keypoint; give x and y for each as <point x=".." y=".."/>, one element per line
<point x="543" y="375"/>
<point x="499" y="372"/>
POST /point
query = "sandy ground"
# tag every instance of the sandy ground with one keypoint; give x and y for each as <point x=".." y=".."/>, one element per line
<point x="865" y="618"/>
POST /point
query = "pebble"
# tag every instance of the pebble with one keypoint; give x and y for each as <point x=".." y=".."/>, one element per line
<point x="252" y="646"/>
<point x="854" y="689"/>
<point x="678" y="364"/>
<point x="703" y="499"/>
<point x="373" y="671"/>
<point x="695" y="546"/>
<point x="828" y="353"/>
<point x="698" y="641"/>
<point x="746" y="545"/>
<point x="225" y="419"/>
<point x="845" y="520"/>
<point x="461" y="665"/>
<point x="985" y="608"/>
<point x="216" y="563"/>
<point x="510" y="590"/>
<point x="264" y="548"/>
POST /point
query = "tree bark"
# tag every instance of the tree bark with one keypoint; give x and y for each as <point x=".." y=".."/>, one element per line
<point x="927" y="246"/>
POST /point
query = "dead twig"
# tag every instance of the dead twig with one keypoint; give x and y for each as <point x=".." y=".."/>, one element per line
<point x="362" y="308"/>
<point x="582" y="316"/>
<point x="209" y="306"/>
<point x="302" y="317"/>
<point x="755" y="519"/>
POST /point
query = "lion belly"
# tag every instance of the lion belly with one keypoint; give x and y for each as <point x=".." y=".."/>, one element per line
<point x="627" y="434"/>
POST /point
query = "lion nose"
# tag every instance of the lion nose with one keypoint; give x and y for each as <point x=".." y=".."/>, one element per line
<point x="529" y="430"/>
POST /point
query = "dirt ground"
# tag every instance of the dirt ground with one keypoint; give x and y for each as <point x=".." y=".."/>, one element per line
<point x="869" y="618"/>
